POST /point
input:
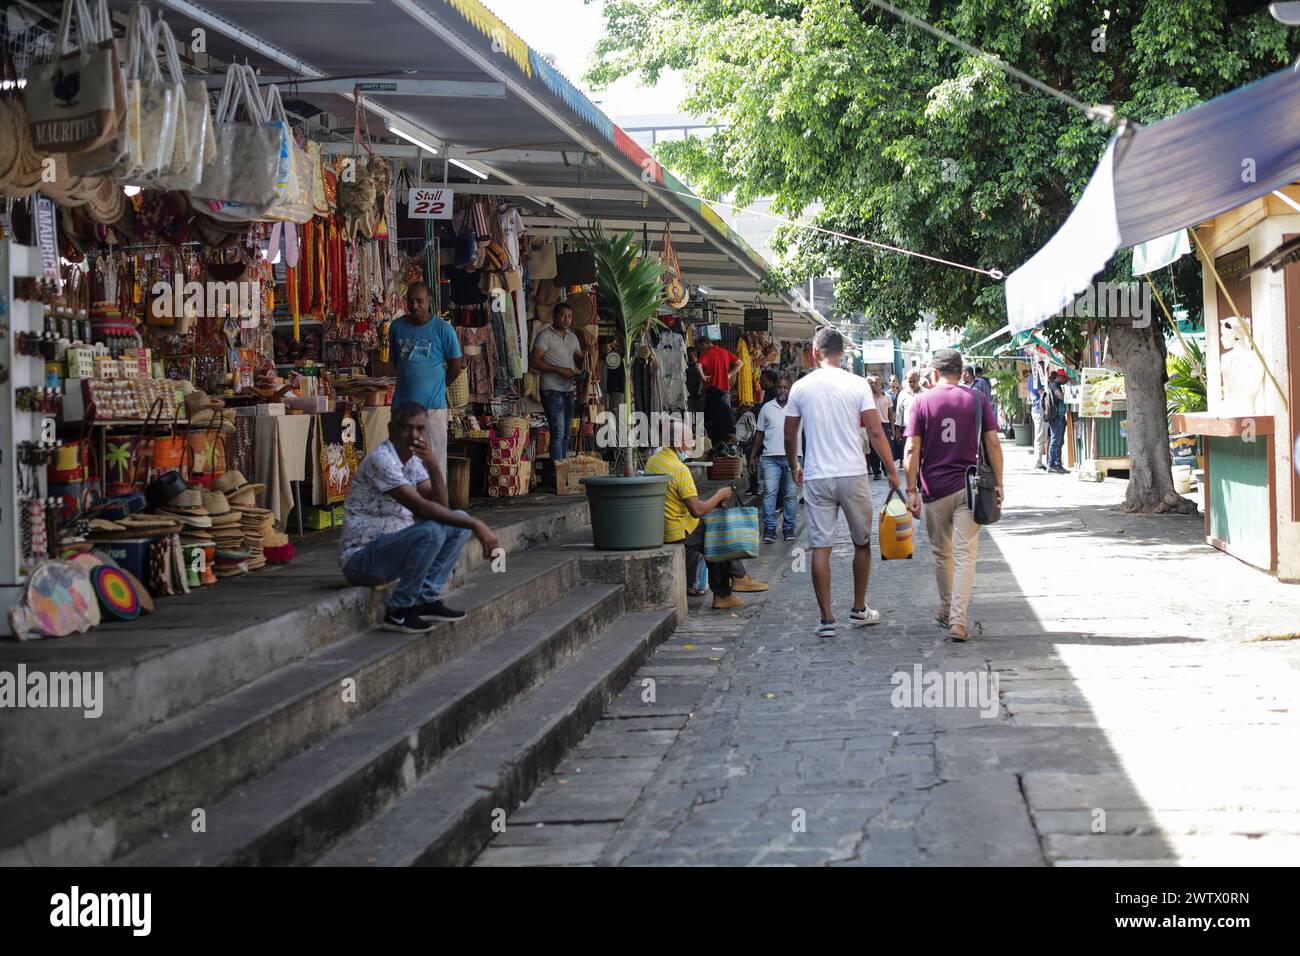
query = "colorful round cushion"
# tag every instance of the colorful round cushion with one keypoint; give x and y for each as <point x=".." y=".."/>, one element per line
<point x="117" y="595"/>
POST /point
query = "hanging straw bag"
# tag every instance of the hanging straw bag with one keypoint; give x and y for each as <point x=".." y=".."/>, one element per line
<point x="296" y="204"/>
<point x="76" y="101"/>
<point x="159" y="104"/>
<point x="193" y="124"/>
<point x="676" y="295"/>
<point x="252" y="159"/>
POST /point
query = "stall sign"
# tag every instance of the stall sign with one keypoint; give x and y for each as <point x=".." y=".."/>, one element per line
<point x="430" y="202"/>
<point x="878" y="352"/>
<point x="47" y="237"/>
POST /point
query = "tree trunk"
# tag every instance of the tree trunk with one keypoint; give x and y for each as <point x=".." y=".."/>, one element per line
<point x="1141" y="353"/>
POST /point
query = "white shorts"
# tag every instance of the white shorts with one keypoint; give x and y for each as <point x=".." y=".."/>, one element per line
<point x="823" y="498"/>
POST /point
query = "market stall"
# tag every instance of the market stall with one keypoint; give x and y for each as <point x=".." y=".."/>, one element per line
<point x="207" y="295"/>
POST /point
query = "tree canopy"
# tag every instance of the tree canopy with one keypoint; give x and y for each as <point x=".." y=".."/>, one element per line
<point x="906" y="139"/>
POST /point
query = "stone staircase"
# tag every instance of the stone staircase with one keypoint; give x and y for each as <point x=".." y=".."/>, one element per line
<point x="371" y="747"/>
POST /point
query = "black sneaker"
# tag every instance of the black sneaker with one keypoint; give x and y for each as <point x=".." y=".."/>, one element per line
<point x="437" y="611"/>
<point x="1057" y="470"/>
<point x="769" y="539"/>
<point x="789" y="537"/>
<point x="406" y="620"/>
<point x="1040" y="466"/>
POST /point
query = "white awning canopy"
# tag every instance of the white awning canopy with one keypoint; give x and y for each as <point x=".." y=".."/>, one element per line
<point x="1155" y="180"/>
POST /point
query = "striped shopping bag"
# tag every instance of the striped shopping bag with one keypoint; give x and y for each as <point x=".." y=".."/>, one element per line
<point x="731" y="534"/>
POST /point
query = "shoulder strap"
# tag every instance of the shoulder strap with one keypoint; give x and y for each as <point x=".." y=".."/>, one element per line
<point x="979" y="427"/>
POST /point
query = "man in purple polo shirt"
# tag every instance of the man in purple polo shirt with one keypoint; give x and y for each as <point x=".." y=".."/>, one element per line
<point x="941" y="445"/>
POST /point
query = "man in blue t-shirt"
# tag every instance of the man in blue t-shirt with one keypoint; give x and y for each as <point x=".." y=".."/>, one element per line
<point x="427" y="355"/>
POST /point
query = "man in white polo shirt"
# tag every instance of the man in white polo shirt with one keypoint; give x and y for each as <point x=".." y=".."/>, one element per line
<point x="832" y="404"/>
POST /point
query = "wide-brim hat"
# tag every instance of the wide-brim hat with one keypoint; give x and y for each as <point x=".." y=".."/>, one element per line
<point x="199" y="400"/>
<point x="226" y="520"/>
<point x="215" y="503"/>
<point x="246" y="497"/>
<point x="191" y="519"/>
<point x="229" y="481"/>
<point x="166" y="488"/>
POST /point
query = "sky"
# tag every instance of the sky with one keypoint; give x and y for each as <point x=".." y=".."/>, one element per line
<point x="567" y="31"/>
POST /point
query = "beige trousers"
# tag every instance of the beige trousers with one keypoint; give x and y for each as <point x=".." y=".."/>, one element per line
<point x="955" y="540"/>
<point x="437" y="432"/>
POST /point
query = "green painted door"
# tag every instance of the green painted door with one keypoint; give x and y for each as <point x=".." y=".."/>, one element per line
<point x="1239" y="513"/>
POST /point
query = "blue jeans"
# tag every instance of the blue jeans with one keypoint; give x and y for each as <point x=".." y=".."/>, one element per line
<point x="1058" y="439"/>
<point x="421" y="557"/>
<point x="776" y="473"/>
<point x="559" y="415"/>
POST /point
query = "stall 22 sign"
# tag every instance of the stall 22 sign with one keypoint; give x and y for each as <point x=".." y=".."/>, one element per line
<point x="429" y="203"/>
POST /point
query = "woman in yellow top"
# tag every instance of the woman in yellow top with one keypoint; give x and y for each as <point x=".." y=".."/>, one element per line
<point x="683" y="510"/>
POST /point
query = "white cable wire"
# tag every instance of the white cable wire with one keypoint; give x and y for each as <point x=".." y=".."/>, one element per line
<point x="995" y="274"/>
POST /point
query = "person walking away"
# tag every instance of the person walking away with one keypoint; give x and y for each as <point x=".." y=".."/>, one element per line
<point x="557" y="355"/>
<point x="720" y="369"/>
<point x="832" y="404"/>
<point x="941" y="444"/>
<point x="397" y="525"/>
<point x="426" y="352"/>
<point x="1054" y="417"/>
<point x="885" y="409"/>
<point x="778" y="480"/>
<point x="903" y="409"/>
<point x="683" y="510"/>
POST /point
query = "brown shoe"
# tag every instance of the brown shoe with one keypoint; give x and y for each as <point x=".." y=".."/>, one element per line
<point x="726" y="603"/>
<point x="747" y="585"/>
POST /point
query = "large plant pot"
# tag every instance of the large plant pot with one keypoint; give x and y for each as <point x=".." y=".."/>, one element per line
<point x="626" y="513"/>
<point x="1024" y="434"/>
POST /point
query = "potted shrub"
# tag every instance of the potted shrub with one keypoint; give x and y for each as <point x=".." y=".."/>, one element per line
<point x="627" y="511"/>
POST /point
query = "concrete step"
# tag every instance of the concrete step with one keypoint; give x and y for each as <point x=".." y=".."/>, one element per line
<point x="106" y="805"/>
<point x="446" y="817"/>
<point x="294" y="812"/>
<point x="197" y="647"/>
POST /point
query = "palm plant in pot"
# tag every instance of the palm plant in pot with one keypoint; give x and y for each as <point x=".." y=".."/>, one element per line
<point x="627" y="511"/>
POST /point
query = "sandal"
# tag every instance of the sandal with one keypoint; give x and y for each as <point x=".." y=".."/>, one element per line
<point x="695" y="592"/>
<point x="975" y="630"/>
<point x="941" y="619"/>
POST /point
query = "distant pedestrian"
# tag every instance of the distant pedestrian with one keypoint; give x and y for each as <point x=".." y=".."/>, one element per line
<point x="768" y="454"/>
<point x="903" y="408"/>
<point x="968" y="377"/>
<point x="1036" y="387"/>
<point x="1054" y="417"/>
<point x="720" y="368"/>
<point x="695" y="383"/>
<point x="769" y="382"/>
<point x="942" y="443"/>
<point x="885" y="409"/>
<point x="832" y="404"/>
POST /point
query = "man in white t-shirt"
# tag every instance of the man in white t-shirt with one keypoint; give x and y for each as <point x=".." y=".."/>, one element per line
<point x="832" y="404"/>
<point x="769" y="449"/>
<point x="398" y="525"/>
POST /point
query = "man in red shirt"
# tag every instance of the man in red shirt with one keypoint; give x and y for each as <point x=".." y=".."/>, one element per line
<point x="720" y="370"/>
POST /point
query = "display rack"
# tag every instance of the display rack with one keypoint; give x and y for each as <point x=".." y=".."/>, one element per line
<point x="15" y="427"/>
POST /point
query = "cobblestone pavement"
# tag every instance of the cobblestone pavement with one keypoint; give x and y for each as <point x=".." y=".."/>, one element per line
<point x="1140" y="718"/>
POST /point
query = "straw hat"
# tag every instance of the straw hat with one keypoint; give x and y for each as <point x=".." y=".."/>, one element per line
<point x="191" y="520"/>
<point x="191" y="499"/>
<point x="198" y="400"/>
<point x="230" y="519"/>
<point x="215" y="503"/>
<point x="229" y="481"/>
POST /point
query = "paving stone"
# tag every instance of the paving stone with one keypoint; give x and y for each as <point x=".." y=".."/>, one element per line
<point x="1118" y="690"/>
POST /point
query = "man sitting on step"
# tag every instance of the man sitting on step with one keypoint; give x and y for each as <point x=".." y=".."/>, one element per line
<point x="397" y="524"/>
<point x="683" y="510"/>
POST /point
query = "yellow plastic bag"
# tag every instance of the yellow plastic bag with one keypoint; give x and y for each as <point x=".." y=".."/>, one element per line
<point x="896" y="528"/>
